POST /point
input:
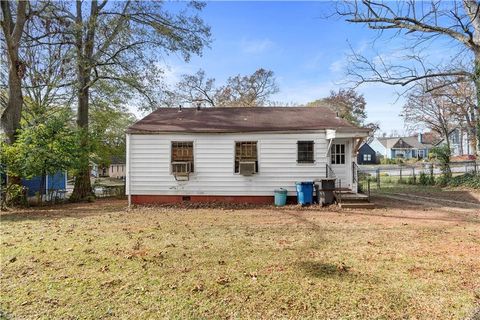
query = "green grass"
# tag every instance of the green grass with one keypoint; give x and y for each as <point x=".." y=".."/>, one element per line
<point x="98" y="260"/>
<point x="468" y="180"/>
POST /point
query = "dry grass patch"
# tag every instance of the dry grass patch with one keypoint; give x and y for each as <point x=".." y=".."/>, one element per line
<point x="100" y="260"/>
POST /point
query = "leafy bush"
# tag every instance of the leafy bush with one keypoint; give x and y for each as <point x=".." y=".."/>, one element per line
<point x="391" y="161"/>
<point x="468" y="180"/>
<point x="410" y="180"/>
<point x="13" y="194"/>
<point x="442" y="155"/>
<point x="426" y="179"/>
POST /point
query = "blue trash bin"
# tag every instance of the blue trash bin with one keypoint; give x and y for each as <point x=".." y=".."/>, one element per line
<point x="280" y="197"/>
<point x="304" y="193"/>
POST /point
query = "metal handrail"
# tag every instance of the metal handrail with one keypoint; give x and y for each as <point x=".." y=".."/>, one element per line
<point x="329" y="171"/>
<point x="355" y="172"/>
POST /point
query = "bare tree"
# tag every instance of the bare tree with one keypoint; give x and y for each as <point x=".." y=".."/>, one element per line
<point x="239" y="91"/>
<point x="347" y="103"/>
<point x="48" y="60"/>
<point x="419" y="23"/>
<point x="462" y="97"/>
<point x="430" y="109"/>
<point x="248" y="91"/>
<point x="13" y="23"/>
<point x="196" y="88"/>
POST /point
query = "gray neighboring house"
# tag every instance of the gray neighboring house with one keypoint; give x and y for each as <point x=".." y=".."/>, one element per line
<point x="403" y="147"/>
<point x="459" y="142"/>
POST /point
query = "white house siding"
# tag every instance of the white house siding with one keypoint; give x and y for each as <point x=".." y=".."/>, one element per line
<point x="116" y="171"/>
<point x="378" y="148"/>
<point x="150" y="174"/>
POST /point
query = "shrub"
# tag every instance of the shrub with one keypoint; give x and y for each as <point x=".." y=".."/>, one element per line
<point x="443" y="180"/>
<point x="423" y="179"/>
<point x="426" y="179"/>
<point x="410" y="180"/>
<point x="442" y="155"/>
<point x="468" y="180"/>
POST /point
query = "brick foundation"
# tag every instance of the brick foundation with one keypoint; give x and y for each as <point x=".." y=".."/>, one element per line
<point x="171" y="199"/>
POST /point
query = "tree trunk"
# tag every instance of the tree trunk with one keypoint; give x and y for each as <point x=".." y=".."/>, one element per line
<point x="43" y="187"/>
<point x="84" y="47"/>
<point x="447" y="139"/>
<point x="475" y="132"/>
<point x="12" y="31"/>
<point x="10" y="120"/>
<point x="83" y="188"/>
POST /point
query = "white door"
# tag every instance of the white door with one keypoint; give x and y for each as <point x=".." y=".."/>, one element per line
<point x="341" y="163"/>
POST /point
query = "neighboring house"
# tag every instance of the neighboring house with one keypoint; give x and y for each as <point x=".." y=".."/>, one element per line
<point x="459" y="142"/>
<point x="117" y="168"/>
<point x="366" y="155"/>
<point x="94" y="172"/>
<point x="402" y="147"/>
<point x="237" y="154"/>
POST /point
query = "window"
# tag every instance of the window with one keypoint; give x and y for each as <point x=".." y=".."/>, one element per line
<point x="245" y="151"/>
<point x="367" y="157"/>
<point x="337" y="153"/>
<point x="182" y="157"/>
<point x="305" y="152"/>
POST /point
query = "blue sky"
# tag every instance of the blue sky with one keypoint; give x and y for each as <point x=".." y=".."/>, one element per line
<point x="306" y="52"/>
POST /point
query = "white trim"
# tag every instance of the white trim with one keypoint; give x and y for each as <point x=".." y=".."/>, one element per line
<point x="338" y="133"/>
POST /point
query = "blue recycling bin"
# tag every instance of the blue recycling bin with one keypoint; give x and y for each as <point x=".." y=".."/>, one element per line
<point x="304" y="192"/>
<point x="280" y="197"/>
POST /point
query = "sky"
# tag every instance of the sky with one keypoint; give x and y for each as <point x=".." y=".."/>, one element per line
<point x="306" y="51"/>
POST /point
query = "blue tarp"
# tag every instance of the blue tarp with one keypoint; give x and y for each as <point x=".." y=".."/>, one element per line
<point x="55" y="181"/>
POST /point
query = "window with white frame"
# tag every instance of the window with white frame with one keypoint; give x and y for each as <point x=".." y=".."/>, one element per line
<point x="337" y="153"/>
<point x="182" y="157"/>
<point x="367" y="157"/>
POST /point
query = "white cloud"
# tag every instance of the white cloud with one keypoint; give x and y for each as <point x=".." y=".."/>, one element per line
<point x="172" y="72"/>
<point x="256" y="46"/>
<point x="339" y="65"/>
<point x="301" y="93"/>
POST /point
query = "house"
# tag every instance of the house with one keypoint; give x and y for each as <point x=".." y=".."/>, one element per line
<point x="403" y="147"/>
<point x="366" y="155"/>
<point x="117" y="168"/>
<point x="237" y="154"/>
<point x="459" y="142"/>
<point x="94" y="170"/>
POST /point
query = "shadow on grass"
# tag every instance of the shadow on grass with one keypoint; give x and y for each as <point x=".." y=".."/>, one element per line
<point x="324" y="270"/>
<point x="66" y="210"/>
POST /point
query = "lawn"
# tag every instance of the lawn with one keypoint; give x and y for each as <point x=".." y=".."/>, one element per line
<point x="100" y="260"/>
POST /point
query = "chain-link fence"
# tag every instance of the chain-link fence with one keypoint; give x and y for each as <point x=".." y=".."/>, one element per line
<point x="378" y="176"/>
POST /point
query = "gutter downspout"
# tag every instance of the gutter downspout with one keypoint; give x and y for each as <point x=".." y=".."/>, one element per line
<point x="328" y="147"/>
<point x="127" y="181"/>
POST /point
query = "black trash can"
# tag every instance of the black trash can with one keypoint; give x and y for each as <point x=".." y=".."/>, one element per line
<point x="326" y="192"/>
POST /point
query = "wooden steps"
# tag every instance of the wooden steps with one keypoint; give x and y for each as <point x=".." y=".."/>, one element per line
<point x="350" y="200"/>
<point x="357" y="205"/>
